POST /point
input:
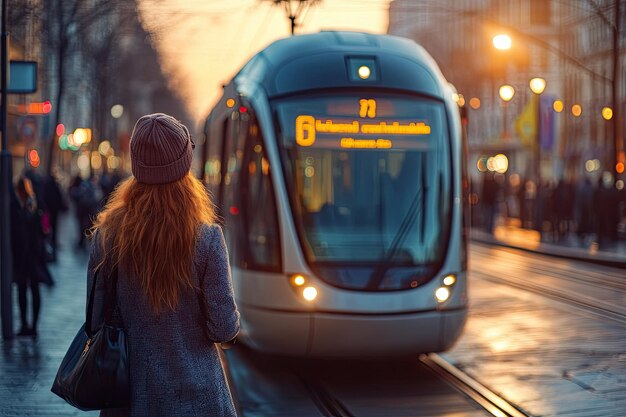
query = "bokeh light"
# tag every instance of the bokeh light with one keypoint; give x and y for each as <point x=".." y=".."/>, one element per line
<point x="592" y="165"/>
<point x="481" y="164"/>
<point x="117" y="111"/>
<point x="104" y="147"/>
<point x="96" y="160"/>
<point x="364" y="72"/>
<point x="506" y="92"/>
<point x="502" y="42"/>
<point x="33" y="158"/>
<point x="537" y="85"/>
<point x="83" y="162"/>
<point x="558" y="106"/>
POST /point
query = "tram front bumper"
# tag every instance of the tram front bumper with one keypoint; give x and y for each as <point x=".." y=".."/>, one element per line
<point x="319" y="334"/>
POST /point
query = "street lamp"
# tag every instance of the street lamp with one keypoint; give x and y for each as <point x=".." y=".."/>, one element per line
<point x="506" y="94"/>
<point x="502" y="42"/>
<point x="6" y="188"/>
<point x="117" y="110"/>
<point x="537" y="86"/>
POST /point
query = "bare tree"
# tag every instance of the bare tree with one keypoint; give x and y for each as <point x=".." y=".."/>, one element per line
<point x="66" y="24"/>
<point x="102" y="49"/>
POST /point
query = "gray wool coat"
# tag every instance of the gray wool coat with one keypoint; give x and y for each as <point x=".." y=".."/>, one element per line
<point x="175" y="369"/>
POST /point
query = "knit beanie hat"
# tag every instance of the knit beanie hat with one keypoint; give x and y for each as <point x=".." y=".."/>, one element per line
<point x="160" y="149"/>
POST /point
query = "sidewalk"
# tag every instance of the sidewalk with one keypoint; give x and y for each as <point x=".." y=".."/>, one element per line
<point x="509" y="234"/>
<point x="29" y="366"/>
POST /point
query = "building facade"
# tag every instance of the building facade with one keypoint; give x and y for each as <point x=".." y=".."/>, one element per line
<point x="568" y="44"/>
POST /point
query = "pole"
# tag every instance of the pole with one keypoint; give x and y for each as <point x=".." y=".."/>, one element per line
<point x="5" y="193"/>
<point x="505" y="131"/>
<point x="617" y="146"/>
<point x="537" y="157"/>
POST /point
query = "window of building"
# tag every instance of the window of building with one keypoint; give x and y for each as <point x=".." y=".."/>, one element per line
<point x="540" y="12"/>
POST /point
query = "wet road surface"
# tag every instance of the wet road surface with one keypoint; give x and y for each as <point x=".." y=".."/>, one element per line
<point x="549" y="356"/>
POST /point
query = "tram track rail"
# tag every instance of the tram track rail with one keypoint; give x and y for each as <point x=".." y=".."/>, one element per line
<point x="521" y="274"/>
<point x="328" y="404"/>
<point x="486" y="399"/>
<point x="584" y="303"/>
<point x="540" y="265"/>
<point x="491" y="402"/>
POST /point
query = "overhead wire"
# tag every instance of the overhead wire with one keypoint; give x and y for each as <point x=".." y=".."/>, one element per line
<point x="260" y="31"/>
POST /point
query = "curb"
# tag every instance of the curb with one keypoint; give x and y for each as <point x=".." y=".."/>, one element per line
<point x="579" y="254"/>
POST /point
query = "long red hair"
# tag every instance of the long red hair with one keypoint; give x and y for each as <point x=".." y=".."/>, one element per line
<point x="151" y="229"/>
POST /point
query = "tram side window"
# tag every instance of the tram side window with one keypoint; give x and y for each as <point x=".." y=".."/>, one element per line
<point x="213" y="164"/>
<point x="230" y="204"/>
<point x="258" y="200"/>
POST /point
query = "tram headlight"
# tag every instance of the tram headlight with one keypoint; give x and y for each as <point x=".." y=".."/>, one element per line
<point x="309" y="293"/>
<point x="364" y="72"/>
<point x="449" y="280"/>
<point x="442" y="294"/>
<point x="299" y="283"/>
<point x="298" y="280"/>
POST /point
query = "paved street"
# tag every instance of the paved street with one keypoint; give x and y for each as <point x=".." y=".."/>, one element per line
<point x="548" y="351"/>
<point x="28" y="366"/>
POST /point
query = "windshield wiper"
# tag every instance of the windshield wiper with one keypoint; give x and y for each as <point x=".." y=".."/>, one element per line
<point x="406" y="225"/>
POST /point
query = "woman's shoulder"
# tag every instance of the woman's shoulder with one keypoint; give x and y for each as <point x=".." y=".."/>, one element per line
<point x="208" y="235"/>
<point x="95" y="246"/>
<point x="209" y="245"/>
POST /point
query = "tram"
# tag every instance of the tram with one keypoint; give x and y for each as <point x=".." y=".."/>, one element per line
<point x="336" y="163"/>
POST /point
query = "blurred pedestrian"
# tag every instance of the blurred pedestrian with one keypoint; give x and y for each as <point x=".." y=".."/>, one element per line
<point x="87" y="198"/>
<point x="55" y="204"/>
<point x="546" y="219"/>
<point x="108" y="182"/>
<point x="29" y="267"/>
<point x="490" y="194"/>
<point x="584" y="210"/>
<point x="606" y="209"/>
<point x="174" y="291"/>
<point x="562" y="208"/>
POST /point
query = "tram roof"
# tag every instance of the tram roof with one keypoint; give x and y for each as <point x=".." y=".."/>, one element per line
<point x="329" y="59"/>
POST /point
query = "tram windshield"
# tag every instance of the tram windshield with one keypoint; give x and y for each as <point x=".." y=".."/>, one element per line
<point x="369" y="176"/>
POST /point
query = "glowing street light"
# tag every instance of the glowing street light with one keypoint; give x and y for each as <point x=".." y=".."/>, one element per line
<point x="117" y="111"/>
<point x="502" y="42"/>
<point x="506" y="93"/>
<point x="557" y="106"/>
<point x="537" y="85"/>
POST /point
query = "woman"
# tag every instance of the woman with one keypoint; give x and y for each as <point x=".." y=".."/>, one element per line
<point x="27" y="246"/>
<point x="174" y="291"/>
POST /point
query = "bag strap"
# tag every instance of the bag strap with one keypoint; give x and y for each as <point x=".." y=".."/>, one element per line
<point x="110" y="295"/>
<point x="90" y="302"/>
<point x="110" y="300"/>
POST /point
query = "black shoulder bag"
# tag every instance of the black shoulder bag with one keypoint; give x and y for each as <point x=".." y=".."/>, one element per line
<point x="94" y="374"/>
